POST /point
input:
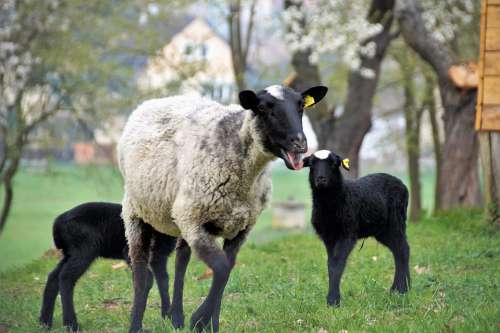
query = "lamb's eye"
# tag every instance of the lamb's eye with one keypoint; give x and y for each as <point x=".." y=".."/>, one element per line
<point x="261" y="107"/>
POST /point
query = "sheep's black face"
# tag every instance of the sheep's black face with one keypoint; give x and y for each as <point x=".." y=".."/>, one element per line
<point x="325" y="168"/>
<point x="279" y="110"/>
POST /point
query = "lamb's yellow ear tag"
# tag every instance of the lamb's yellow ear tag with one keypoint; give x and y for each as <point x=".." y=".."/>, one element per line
<point x="308" y="101"/>
<point x="345" y="163"/>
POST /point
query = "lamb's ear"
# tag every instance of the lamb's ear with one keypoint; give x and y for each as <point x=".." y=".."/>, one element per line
<point x="248" y="99"/>
<point x="314" y="95"/>
<point x="345" y="163"/>
<point x="307" y="161"/>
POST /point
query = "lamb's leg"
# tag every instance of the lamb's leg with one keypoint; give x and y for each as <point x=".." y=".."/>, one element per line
<point x="207" y="250"/>
<point x="183" y="254"/>
<point x="337" y="257"/>
<point x="401" y="252"/>
<point x="139" y="240"/>
<point x="70" y="273"/>
<point x="162" y="247"/>
<point x="50" y="294"/>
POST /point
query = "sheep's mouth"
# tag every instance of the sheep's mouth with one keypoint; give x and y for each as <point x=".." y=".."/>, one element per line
<point x="293" y="160"/>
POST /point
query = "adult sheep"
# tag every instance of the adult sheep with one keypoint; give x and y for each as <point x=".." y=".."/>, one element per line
<point x="196" y="169"/>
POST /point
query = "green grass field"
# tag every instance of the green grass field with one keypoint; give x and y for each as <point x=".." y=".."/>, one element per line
<point x="280" y="286"/>
<point x="279" y="283"/>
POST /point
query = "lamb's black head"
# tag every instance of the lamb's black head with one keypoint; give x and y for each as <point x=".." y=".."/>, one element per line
<point x="325" y="168"/>
<point x="279" y="110"/>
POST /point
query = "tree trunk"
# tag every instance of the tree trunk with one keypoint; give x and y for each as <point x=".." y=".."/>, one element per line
<point x="459" y="183"/>
<point x="431" y="107"/>
<point x="490" y="150"/>
<point x="7" y="203"/>
<point x="345" y="134"/>
<point x="6" y="180"/>
<point x="412" y="121"/>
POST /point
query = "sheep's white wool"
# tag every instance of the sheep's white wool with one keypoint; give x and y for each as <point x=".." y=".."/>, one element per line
<point x="187" y="161"/>
<point x="322" y="154"/>
<point x="276" y="91"/>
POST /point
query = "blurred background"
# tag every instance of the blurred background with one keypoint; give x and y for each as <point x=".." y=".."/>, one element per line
<point x="402" y="78"/>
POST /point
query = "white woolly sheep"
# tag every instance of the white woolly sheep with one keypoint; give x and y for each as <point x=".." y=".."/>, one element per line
<point x="196" y="169"/>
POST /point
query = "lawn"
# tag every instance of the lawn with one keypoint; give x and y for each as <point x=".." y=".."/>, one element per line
<point x="41" y="196"/>
<point x="280" y="286"/>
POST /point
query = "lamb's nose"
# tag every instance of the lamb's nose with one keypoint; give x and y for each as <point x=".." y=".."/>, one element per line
<point x="320" y="180"/>
<point x="299" y="142"/>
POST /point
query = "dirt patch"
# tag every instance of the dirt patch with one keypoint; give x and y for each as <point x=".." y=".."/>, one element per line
<point x="52" y="253"/>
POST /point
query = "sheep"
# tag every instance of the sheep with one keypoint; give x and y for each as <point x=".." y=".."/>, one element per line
<point x="346" y="210"/>
<point x="198" y="170"/>
<point x="88" y="231"/>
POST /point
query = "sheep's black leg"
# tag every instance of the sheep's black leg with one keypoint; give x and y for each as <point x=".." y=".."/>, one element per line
<point x="72" y="270"/>
<point x="183" y="254"/>
<point x="162" y="247"/>
<point x="231" y="248"/>
<point x="50" y="294"/>
<point x="337" y="257"/>
<point x="139" y="254"/>
<point x="208" y="251"/>
<point x="401" y="252"/>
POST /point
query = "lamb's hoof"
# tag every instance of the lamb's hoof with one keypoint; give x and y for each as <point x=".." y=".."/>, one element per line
<point x="45" y="323"/>
<point x="333" y="300"/>
<point x="399" y="289"/>
<point x="73" y="327"/>
<point x="177" y="318"/>
<point x="200" y="322"/>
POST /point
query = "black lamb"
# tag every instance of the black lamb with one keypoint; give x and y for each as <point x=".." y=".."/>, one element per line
<point x="88" y="231"/>
<point x="346" y="210"/>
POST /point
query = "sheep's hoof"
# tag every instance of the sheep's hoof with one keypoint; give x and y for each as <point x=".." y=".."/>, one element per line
<point x="45" y="323"/>
<point x="73" y="327"/>
<point x="333" y="300"/>
<point x="177" y="318"/>
<point x="200" y="322"/>
<point x="399" y="289"/>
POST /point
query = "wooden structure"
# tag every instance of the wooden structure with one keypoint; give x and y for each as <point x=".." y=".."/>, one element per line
<point x="488" y="105"/>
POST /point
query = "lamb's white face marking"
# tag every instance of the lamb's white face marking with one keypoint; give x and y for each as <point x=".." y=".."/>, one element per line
<point x="276" y="91"/>
<point x="322" y="154"/>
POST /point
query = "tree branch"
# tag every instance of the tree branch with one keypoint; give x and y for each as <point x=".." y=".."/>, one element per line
<point x="421" y="40"/>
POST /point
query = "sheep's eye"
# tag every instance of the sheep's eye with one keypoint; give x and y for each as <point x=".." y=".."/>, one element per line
<point x="261" y="107"/>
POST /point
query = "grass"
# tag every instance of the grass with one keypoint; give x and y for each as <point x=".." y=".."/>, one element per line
<point x="280" y="286"/>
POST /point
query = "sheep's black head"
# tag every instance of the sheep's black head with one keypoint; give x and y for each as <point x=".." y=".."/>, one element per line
<point x="325" y="168"/>
<point x="279" y="110"/>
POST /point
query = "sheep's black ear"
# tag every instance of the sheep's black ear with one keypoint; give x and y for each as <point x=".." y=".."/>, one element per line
<point x="248" y="99"/>
<point x="307" y="161"/>
<point x="314" y="95"/>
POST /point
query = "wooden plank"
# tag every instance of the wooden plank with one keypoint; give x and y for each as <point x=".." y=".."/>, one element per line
<point x="491" y="90"/>
<point x="491" y="118"/>
<point x="482" y="41"/>
<point x="493" y="17"/>
<point x="493" y="2"/>
<point x="491" y="63"/>
<point x="492" y="39"/>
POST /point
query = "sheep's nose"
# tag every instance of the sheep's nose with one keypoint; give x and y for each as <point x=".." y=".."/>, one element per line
<point x="299" y="142"/>
<point x="321" y="181"/>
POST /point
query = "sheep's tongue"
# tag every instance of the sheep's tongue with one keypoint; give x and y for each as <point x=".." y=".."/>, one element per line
<point x="295" y="160"/>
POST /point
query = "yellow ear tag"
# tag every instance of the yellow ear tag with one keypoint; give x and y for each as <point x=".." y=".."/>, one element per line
<point x="345" y="163"/>
<point x="308" y="101"/>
